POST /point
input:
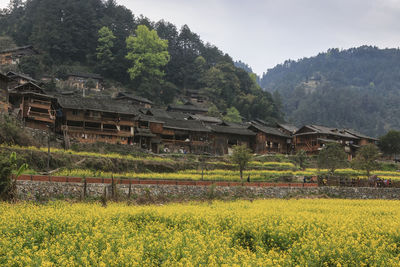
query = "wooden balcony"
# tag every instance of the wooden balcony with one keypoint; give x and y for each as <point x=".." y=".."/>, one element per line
<point x="41" y="116"/>
<point x="183" y="142"/>
<point x="94" y="119"/>
<point x="97" y="131"/>
<point x="72" y="128"/>
<point x="40" y="104"/>
<point x="110" y="130"/>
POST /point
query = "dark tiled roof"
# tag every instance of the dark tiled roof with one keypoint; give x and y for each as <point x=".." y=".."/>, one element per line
<point x="267" y="129"/>
<point x="28" y="87"/>
<point x="187" y="125"/>
<point x="14" y="75"/>
<point x="204" y="118"/>
<point x="143" y="117"/>
<point x="162" y="113"/>
<point x="288" y="127"/>
<point x="260" y="121"/>
<point x="190" y="108"/>
<point x="4" y="77"/>
<point x="96" y="104"/>
<point x="360" y="135"/>
<point x="37" y="95"/>
<point x="176" y="115"/>
<point x="317" y="129"/>
<point x="86" y="75"/>
<point x="218" y="128"/>
<point x="17" y="49"/>
<point x="122" y="95"/>
<point x="152" y="111"/>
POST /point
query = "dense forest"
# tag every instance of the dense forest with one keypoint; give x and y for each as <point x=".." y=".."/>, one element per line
<point x="152" y="59"/>
<point x="357" y="88"/>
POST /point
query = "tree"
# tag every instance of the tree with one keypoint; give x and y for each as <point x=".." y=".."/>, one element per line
<point x="90" y="84"/>
<point x="148" y="54"/>
<point x="331" y="157"/>
<point x="241" y="156"/>
<point x="390" y="143"/>
<point x="366" y="158"/>
<point x="301" y="159"/>
<point x="103" y="50"/>
<point x="213" y="111"/>
<point x="30" y="65"/>
<point x="232" y="115"/>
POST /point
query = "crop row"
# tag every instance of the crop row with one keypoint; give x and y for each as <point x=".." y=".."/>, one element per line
<point x="225" y="175"/>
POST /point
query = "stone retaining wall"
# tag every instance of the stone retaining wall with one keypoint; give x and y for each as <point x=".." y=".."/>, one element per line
<point x="36" y="190"/>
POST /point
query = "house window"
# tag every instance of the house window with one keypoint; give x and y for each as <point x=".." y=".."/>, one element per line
<point x="75" y="112"/>
<point x="313" y="143"/>
<point x="96" y="114"/>
<point x="143" y="124"/>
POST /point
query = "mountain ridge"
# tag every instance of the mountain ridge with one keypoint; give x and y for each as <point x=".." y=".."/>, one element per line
<point x="357" y="88"/>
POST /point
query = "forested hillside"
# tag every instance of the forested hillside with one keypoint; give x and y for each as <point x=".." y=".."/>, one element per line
<point x="100" y="36"/>
<point x="356" y="88"/>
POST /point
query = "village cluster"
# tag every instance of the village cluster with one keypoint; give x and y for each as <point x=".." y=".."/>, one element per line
<point x="133" y="120"/>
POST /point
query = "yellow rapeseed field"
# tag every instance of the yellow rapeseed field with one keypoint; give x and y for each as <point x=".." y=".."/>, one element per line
<point x="304" y="232"/>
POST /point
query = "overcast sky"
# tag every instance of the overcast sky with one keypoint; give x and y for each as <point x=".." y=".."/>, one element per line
<point x="265" y="33"/>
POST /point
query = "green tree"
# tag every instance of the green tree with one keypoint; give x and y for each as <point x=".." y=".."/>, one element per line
<point x="148" y="54"/>
<point x="90" y="84"/>
<point x="232" y="115"/>
<point x="390" y="143"/>
<point x="241" y="156"/>
<point x="366" y="158"/>
<point x="331" y="157"/>
<point x="30" y="65"/>
<point x="214" y="112"/>
<point x="301" y="159"/>
<point x="105" y="44"/>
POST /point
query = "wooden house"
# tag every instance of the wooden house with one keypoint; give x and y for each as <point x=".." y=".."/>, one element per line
<point x="13" y="56"/>
<point x="182" y="135"/>
<point x="136" y="100"/>
<point x="363" y="139"/>
<point x="195" y="96"/>
<point x="90" y="120"/>
<point x="4" y="83"/>
<point x="312" y="138"/>
<point x="225" y="135"/>
<point x="147" y="132"/>
<point x="82" y="80"/>
<point x="270" y="139"/>
<point x="33" y="106"/>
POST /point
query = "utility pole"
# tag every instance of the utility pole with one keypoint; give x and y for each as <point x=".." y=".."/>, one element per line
<point x="48" y="147"/>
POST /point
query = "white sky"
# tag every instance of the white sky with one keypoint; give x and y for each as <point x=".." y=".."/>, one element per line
<point x="263" y="33"/>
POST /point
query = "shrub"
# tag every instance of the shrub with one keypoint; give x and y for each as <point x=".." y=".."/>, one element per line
<point x="12" y="132"/>
<point x="8" y="167"/>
